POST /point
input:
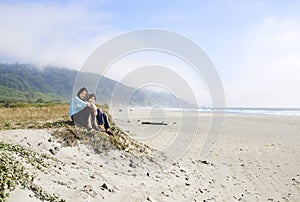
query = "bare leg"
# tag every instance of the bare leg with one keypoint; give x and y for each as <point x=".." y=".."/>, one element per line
<point x="89" y="122"/>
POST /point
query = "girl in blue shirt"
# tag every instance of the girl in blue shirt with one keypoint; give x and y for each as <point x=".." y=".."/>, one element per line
<point x="80" y="109"/>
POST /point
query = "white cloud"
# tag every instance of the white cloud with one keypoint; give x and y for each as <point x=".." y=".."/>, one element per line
<point x="271" y="70"/>
<point x="51" y="33"/>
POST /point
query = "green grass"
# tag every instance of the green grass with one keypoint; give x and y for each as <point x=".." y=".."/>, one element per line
<point x="13" y="95"/>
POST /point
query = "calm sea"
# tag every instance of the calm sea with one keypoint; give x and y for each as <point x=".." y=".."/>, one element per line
<point x="255" y="111"/>
<point x="241" y="111"/>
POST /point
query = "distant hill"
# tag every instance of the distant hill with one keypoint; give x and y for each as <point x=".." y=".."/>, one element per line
<point x="27" y="83"/>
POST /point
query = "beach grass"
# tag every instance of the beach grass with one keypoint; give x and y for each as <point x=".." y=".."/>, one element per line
<point x="38" y="116"/>
<point x="32" y="116"/>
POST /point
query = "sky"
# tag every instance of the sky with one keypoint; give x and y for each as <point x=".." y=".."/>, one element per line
<point x="254" y="44"/>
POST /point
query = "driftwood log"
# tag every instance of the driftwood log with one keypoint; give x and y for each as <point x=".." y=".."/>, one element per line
<point x="154" y="123"/>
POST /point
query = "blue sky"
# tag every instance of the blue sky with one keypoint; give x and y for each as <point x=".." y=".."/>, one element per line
<point x="255" y="45"/>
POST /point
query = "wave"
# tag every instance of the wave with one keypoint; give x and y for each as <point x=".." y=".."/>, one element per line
<point x="239" y="111"/>
<point x="255" y="111"/>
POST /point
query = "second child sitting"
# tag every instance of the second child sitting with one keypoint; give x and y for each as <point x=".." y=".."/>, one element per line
<point x="91" y="99"/>
<point x="101" y="117"/>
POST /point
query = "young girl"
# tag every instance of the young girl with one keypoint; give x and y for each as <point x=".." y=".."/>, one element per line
<point x="101" y="117"/>
<point x="92" y="101"/>
<point x="93" y="118"/>
<point x="80" y="109"/>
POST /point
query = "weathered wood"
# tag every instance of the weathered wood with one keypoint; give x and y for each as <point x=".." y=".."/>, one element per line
<point x="154" y="123"/>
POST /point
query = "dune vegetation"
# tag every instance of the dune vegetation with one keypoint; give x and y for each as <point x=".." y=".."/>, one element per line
<point x="16" y="161"/>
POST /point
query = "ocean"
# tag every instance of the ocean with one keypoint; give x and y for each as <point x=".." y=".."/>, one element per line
<point x="295" y="112"/>
<point x="255" y="111"/>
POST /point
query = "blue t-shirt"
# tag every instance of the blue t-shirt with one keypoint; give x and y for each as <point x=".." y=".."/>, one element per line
<point x="77" y="105"/>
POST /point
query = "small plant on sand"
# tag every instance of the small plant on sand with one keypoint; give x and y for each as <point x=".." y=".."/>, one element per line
<point x="13" y="171"/>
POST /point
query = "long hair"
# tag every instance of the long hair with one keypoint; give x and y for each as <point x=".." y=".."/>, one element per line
<point x="81" y="90"/>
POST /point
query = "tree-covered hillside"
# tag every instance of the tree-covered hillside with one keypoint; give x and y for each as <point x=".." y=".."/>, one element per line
<point x="27" y="83"/>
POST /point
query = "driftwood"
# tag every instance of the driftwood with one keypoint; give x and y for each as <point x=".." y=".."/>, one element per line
<point x="154" y="123"/>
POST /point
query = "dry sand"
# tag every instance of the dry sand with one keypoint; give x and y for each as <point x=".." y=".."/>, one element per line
<point x="257" y="158"/>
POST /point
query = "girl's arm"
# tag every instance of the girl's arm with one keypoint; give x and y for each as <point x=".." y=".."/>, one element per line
<point x="80" y="104"/>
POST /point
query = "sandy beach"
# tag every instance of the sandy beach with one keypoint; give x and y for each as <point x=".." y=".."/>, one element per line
<point x="256" y="158"/>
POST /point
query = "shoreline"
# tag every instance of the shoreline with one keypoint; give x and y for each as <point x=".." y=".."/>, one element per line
<point x="293" y="112"/>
